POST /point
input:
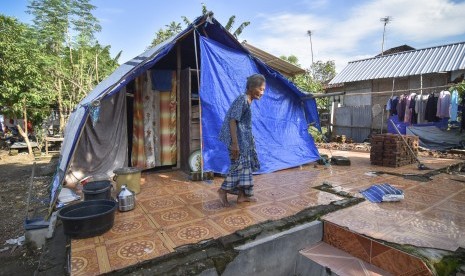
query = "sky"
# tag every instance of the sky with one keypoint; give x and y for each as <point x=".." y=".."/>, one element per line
<point x="342" y="31"/>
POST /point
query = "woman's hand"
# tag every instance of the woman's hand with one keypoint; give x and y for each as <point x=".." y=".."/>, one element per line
<point x="234" y="151"/>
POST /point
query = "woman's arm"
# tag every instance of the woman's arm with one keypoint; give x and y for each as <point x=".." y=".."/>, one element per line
<point x="234" y="142"/>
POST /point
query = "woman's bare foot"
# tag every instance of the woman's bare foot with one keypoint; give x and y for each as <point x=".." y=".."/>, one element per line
<point x="243" y="198"/>
<point x="223" y="197"/>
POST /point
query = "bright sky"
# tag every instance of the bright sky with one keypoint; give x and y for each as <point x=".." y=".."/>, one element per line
<point x="342" y="30"/>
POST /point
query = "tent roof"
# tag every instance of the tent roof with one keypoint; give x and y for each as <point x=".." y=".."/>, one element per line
<point x="282" y="66"/>
<point x="437" y="59"/>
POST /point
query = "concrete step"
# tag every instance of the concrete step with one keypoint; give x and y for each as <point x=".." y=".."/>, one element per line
<point x="373" y="252"/>
<point x="323" y="259"/>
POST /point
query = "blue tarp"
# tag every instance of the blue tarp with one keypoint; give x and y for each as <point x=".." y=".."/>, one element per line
<point x="378" y="192"/>
<point x="402" y="126"/>
<point x="279" y="124"/>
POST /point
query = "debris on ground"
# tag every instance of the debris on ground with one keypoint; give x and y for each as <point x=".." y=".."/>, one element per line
<point x="366" y="147"/>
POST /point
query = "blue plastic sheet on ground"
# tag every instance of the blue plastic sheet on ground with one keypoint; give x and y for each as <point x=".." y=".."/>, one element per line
<point x="377" y="193"/>
<point x="279" y="124"/>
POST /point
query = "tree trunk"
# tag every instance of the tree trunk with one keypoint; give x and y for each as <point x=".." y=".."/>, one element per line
<point x="60" y="106"/>
<point x="22" y="132"/>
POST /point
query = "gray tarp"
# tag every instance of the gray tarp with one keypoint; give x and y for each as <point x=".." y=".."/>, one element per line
<point x="108" y="141"/>
<point x="434" y="138"/>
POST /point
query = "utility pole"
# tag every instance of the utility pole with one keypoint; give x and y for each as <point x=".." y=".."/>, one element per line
<point x="385" y="20"/>
<point x="309" y="33"/>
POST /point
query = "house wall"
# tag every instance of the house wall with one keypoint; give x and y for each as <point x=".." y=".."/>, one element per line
<point x="357" y="88"/>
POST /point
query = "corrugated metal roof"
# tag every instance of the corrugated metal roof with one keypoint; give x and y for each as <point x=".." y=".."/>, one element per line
<point x="442" y="58"/>
<point x="282" y="66"/>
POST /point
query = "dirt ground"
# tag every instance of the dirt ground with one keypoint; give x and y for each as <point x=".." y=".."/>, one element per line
<point x="15" y="179"/>
<point x="365" y="147"/>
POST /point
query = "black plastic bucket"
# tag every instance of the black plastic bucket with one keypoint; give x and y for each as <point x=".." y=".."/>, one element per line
<point x="97" y="190"/>
<point x="88" y="218"/>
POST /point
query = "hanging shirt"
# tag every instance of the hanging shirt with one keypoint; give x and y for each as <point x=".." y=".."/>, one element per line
<point x="431" y="109"/>
<point x="408" y="113"/>
<point x="443" y="106"/>
<point x="401" y="107"/>
<point x="420" y="108"/>
<point x="391" y="105"/>
<point x="454" y="105"/>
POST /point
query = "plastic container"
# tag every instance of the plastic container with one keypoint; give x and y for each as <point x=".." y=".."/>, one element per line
<point x="126" y="200"/>
<point x="88" y="218"/>
<point x="129" y="177"/>
<point x="97" y="190"/>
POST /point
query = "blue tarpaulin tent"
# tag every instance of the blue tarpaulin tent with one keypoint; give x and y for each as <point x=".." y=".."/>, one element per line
<point x="280" y="118"/>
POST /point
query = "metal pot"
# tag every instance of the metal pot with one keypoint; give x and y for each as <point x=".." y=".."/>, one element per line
<point x="126" y="199"/>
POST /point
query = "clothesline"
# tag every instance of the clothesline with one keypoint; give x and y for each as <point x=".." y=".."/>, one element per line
<point x="400" y="91"/>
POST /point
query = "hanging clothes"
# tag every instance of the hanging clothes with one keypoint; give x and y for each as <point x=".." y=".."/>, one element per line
<point x="161" y="80"/>
<point x="391" y="105"/>
<point x="431" y="108"/>
<point x="443" y="106"/>
<point x="138" y="146"/>
<point x="401" y="104"/>
<point x="414" y="114"/>
<point x="454" y="105"/>
<point x="420" y="108"/>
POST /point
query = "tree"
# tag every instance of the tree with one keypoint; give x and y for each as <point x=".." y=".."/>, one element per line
<point x="67" y="29"/>
<point x="315" y="78"/>
<point x="24" y="90"/>
<point x="323" y="72"/>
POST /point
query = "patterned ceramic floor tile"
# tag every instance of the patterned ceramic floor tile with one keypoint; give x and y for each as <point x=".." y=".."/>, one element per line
<point x="136" y="249"/>
<point x="271" y="210"/>
<point x="159" y="203"/>
<point x="215" y="207"/>
<point x="341" y="262"/>
<point x="236" y="220"/>
<point x="174" y="216"/>
<point x="129" y="226"/>
<point x="81" y="244"/>
<point x="193" y="232"/>
<point x="193" y="197"/>
<point x="84" y="262"/>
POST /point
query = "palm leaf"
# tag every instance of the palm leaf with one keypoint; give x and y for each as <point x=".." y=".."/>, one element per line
<point x="186" y="20"/>
<point x="239" y="30"/>
<point x="204" y="9"/>
<point x="230" y="23"/>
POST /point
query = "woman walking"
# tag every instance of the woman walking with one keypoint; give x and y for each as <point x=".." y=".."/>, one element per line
<point x="236" y="133"/>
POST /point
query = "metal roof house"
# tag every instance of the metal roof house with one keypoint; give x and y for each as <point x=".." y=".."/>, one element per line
<point x="366" y="85"/>
<point x="282" y="66"/>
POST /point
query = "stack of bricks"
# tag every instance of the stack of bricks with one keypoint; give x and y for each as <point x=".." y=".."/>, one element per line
<point x="389" y="150"/>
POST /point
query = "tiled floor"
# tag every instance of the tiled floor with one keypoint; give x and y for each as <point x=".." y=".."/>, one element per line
<point x="431" y="215"/>
<point x="172" y="211"/>
<point x="341" y="262"/>
<point x="373" y="252"/>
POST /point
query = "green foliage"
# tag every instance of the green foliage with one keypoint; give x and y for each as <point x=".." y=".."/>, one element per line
<point x="75" y="60"/>
<point x="22" y="80"/>
<point x="53" y="63"/>
<point x="315" y="78"/>
<point x="460" y="87"/>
